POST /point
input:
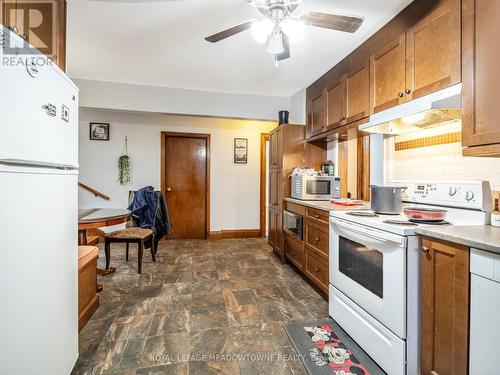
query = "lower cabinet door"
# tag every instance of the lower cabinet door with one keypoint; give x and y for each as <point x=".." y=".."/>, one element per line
<point x="444" y="308"/>
<point x="294" y="250"/>
<point x="317" y="269"/>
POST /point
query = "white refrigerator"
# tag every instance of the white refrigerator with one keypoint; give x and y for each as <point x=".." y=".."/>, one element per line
<point x="38" y="219"/>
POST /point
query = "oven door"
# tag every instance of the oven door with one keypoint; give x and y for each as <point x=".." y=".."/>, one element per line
<point x="369" y="266"/>
<point x="292" y="224"/>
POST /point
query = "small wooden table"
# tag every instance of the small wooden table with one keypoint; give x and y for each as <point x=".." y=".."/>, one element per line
<point x="97" y="218"/>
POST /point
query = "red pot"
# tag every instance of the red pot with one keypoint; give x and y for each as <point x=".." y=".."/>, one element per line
<point x="424" y="214"/>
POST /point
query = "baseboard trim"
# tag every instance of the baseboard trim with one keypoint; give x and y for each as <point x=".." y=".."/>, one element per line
<point x="236" y="233"/>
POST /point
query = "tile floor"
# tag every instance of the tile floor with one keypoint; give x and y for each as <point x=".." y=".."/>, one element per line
<point x="204" y="307"/>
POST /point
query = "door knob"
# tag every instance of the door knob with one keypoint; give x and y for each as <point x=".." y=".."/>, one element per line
<point x="169" y="189"/>
<point x="425" y="249"/>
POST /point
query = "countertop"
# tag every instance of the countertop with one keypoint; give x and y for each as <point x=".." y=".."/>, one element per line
<point x="482" y="237"/>
<point x="327" y="206"/>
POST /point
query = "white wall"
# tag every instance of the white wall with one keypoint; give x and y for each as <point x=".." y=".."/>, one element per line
<point x="441" y="162"/>
<point x="298" y="113"/>
<point x="235" y="189"/>
<point x="129" y="97"/>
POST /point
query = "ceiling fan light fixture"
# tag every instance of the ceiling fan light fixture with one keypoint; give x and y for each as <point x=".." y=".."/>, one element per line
<point x="275" y="43"/>
<point x="294" y="29"/>
<point x="261" y="30"/>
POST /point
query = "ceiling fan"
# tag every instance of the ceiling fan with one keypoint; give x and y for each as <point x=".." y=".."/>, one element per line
<point x="280" y="27"/>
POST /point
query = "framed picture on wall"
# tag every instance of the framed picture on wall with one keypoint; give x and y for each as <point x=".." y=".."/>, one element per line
<point x="99" y="131"/>
<point x="240" y="150"/>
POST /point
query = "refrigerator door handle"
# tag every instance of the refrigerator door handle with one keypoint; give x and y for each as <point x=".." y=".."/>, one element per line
<point x="37" y="164"/>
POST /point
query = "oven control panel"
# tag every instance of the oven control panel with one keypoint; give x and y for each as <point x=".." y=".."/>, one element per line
<point x="473" y="194"/>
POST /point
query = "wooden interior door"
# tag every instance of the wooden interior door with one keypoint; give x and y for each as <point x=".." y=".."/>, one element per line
<point x="481" y="28"/>
<point x="185" y="183"/>
<point x="388" y="75"/>
<point x="444" y="308"/>
<point x="335" y="104"/>
<point x="433" y="51"/>
<point x="357" y="103"/>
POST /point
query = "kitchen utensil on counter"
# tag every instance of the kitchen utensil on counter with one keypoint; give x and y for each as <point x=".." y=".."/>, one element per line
<point x="419" y="214"/>
<point x="387" y="200"/>
<point x="347" y="202"/>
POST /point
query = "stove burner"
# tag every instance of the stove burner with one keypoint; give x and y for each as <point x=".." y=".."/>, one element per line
<point x="431" y="222"/>
<point x="400" y="222"/>
<point x="362" y="214"/>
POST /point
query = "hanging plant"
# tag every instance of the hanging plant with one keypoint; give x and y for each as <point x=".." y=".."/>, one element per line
<point x="124" y="175"/>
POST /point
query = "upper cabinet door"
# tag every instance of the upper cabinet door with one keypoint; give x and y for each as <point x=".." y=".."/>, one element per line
<point x="335" y="104"/>
<point x="388" y="76"/>
<point x="357" y="98"/>
<point x="318" y="113"/>
<point x="433" y="51"/>
<point x="480" y="113"/>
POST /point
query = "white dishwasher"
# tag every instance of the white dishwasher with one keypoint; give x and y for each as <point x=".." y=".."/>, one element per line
<point x="484" y="313"/>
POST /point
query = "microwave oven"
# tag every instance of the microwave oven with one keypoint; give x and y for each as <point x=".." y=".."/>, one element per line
<point x="315" y="188"/>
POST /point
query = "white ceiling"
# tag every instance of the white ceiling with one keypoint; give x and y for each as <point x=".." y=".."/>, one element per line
<point x="161" y="44"/>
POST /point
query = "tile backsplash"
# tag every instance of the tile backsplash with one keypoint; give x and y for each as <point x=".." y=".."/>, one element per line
<point x="439" y="162"/>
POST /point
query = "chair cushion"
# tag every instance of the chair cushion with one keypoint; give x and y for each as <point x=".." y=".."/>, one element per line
<point x="86" y="254"/>
<point x="131" y="234"/>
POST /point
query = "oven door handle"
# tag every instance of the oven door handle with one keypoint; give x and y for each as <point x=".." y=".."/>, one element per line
<point x="368" y="232"/>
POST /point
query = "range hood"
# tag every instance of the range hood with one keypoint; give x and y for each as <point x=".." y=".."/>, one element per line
<point x="434" y="109"/>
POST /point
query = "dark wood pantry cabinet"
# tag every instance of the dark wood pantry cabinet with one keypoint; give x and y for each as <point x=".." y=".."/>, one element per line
<point x="288" y="149"/>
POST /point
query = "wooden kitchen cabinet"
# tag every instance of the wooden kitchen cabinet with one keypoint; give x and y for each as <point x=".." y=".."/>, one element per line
<point x="357" y="94"/>
<point x="317" y="113"/>
<point x="288" y="149"/>
<point x="433" y="51"/>
<point x="388" y="75"/>
<point x="480" y="61"/>
<point x="310" y="256"/>
<point x="18" y="15"/>
<point x="316" y="270"/>
<point x="444" y="308"/>
<point x="335" y="104"/>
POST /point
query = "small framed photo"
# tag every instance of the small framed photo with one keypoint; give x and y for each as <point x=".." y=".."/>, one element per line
<point x="240" y="151"/>
<point x="99" y="131"/>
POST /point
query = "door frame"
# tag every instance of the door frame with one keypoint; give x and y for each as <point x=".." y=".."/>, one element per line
<point x="264" y="137"/>
<point x="163" y="182"/>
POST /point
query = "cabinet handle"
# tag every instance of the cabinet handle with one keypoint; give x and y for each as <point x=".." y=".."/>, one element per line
<point x="316" y="216"/>
<point x="408" y="91"/>
<point x="425" y="250"/>
<point x="401" y="94"/>
<point x="317" y="270"/>
<point x="316" y="239"/>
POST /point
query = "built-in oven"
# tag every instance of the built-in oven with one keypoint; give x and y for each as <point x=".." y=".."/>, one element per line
<point x="293" y="224"/>
<point x="369" y="266"/>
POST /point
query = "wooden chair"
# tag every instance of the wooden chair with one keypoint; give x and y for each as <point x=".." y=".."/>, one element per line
<point x="142" y="237"/>
<point x="88" y="299"/>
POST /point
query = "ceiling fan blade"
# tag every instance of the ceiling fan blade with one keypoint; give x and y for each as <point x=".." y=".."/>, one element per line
<point x="229" y="32"/>
<point x="286" y="53"/>
<point x="349" y="24"/>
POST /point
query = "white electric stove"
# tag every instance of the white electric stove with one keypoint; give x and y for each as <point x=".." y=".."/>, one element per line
<point x="374" y="269"/>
